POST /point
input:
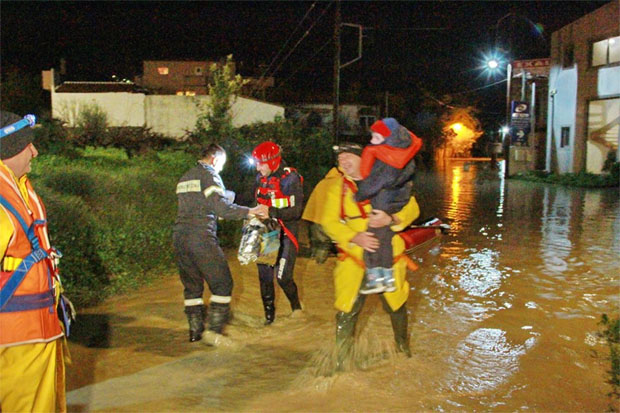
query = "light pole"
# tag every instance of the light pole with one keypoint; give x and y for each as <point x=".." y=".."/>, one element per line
<point x="493" y="65"/>
<point x="507" y="136"/>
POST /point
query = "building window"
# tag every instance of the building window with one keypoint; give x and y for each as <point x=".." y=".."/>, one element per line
<point x="603" y="122"/>
<point x="565" y="136"/>
<point x="198" y="71"/>
<point x="568" y="58"/>
<point x="162" y="70"/>
<point x="606" y="51"/>
<point x="190" y="93"/>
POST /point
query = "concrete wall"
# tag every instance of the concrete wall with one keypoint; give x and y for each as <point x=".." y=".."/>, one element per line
<point x="562" y="113"/>
<point x="123" y="109"/>
<point x="169" y="115"/>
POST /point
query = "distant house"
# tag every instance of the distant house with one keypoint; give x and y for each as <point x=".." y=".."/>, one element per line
<point x="355" y="120"/>
<point x="175" y="77"/>
<point x="188" y="78"/>
<point x="127" y="104"/>
<point x="583" y="125"/>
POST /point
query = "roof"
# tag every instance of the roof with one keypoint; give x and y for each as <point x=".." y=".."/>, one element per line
<point x="95" y="87"/>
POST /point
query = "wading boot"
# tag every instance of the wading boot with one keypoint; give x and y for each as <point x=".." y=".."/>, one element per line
<point x="217" y="317"/>
<point x="399" y="325"/>
<point x="290" y="290"/>
<point x="345" y="330"/>
<point x="267" y="293"/>
<point x="195" y="318"/>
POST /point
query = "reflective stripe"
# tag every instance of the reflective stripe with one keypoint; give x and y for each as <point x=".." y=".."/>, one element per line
<point x="194" y="301"/>
<point x="220" y="299"/>
<point x="10" y="264"/>
<point x="281" y="266"/>
<point x="29" y="302"/>
<point x="212" y="189"/>
<point x="188" y="186"/>
<point x="283" y="202"/>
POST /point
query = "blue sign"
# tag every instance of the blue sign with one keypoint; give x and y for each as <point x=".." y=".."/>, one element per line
<point x="520" y="119"/>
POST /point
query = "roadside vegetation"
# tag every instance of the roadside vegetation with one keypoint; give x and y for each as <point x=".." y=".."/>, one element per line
<point x="610" y="333"/>
<point x="611" y="178"/>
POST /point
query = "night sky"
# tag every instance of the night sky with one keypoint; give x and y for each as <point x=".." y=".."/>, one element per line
<point x="408" y="45"/>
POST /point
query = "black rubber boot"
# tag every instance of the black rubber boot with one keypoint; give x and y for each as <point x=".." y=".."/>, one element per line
<point x="217" y="317"/>
<point x="267" y="293"/>
<point x="345" y="330"/>
<point x="290" y="290"/>
<point x="399" y="325"/>
<point x="195" y="318"/>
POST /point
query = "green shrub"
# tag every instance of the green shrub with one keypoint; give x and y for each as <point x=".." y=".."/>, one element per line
<point x="73" y="231"/>
<point x="581" y="179"/>
<point x="611" y="334"/>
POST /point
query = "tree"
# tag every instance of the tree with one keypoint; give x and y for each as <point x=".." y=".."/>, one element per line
<point x="461" y="129"/>
<point x="215" y="121"/>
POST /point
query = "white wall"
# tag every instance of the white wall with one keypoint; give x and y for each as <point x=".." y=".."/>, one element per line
<point x="123" y="109"/>
<point x="561" y="113"/>
<point x="169" y="115"/>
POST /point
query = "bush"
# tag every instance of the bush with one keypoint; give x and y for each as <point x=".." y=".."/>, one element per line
<point x="110" y="216"/>
<point x="73" y="231"/>
<point x="582" y="179"/>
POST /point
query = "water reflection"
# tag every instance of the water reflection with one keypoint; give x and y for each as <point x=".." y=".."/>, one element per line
<point x="524" y="276"/>
<point x="485" y="359"/>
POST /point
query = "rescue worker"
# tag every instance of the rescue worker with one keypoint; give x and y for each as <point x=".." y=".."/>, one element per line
<point x="280" y="189"/>
<point x="346" y="222"/>
<point x="32" y="368"/>
<point x="202" y="199"/>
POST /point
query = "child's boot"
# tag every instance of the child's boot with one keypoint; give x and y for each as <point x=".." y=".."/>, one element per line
<point x="374" y="281"/>
<point x="388" y="279"/>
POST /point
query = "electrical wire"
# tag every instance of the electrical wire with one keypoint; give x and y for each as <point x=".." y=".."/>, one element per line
<point x="302" y="65"/>
<point x="262" y="76"/>
<point x="302" y="38"/>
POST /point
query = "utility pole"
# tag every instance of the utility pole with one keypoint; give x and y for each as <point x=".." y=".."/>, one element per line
<point x="336" y="116"/>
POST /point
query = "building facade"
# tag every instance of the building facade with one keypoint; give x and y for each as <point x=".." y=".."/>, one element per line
<point x="583" y="123"/>
<point x="175" y="77"/>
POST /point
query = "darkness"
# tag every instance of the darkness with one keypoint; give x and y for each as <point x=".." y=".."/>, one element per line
<point x="408" y="46"/>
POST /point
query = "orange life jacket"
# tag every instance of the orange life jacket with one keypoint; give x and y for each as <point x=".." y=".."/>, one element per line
<point x="396" y="157"/>
<point x="269" y="193"/>
<point x="29" y="312"/>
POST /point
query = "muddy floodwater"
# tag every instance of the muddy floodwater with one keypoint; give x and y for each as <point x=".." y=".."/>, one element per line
<point x="503" y="317"/>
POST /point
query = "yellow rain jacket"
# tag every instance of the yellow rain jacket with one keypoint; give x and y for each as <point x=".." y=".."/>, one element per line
<point x="332" y="198"/>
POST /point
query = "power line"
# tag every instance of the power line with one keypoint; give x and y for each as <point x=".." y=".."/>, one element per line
<point x="302" y="38"/>
<point x="480" y="88"/>
<point x="303" y="64"/>
<point x="262" y="76"/>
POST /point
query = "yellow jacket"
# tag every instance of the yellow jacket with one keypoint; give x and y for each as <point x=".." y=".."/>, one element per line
<point x="325" y="207"/>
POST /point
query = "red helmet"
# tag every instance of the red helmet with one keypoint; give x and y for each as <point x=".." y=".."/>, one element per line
<point x="269" y="153"/>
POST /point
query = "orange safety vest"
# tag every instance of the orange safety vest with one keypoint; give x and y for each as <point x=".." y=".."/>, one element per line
<point x="29" y="316"/>
<point x="270" y="193"/>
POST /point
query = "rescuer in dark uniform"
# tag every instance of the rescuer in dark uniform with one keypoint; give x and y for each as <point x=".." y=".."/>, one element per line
<point x="280" y="189"/>
<point x="202" y="198"/>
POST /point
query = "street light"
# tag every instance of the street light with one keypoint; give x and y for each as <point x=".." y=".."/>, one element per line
<point x="493" y="64"/>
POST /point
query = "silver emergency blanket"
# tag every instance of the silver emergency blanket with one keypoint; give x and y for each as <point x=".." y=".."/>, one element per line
<point x="260" y="242"/>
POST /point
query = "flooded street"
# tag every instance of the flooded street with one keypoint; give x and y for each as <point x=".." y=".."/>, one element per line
<point x="503" y="317"/>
